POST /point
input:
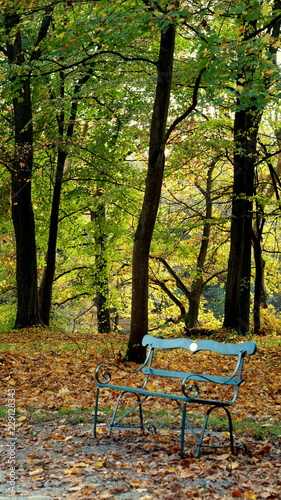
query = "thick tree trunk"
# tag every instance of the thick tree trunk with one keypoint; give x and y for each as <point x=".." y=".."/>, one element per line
<point x="237" y="298"/>
<point x="21" y="172"/>
<point x="143" y="235"/>
<point x="246" y="125"/>
<point x="22" y="214"/>
<point x="103" y="315"/>
<point x="191" y="320"/>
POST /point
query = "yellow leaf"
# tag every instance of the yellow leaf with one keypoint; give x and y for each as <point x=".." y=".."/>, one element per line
<point x="234" y="465"/>
<point x="36" y="472"/>
<point x="21" y="419"/>
<point x="150" y="387"/>
<point x="70" y="471"/>
<point x="249" y="494"/>
<point x="62" y="391"/>
<point x="266" y="37"/>
<point x="222" y="457"/>
<point x="265" y="9"/>
<point x="11" y="382"/>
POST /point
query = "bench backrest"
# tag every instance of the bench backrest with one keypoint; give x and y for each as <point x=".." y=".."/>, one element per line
<point x="193" y="346"/>
<point x="199" y="345"/>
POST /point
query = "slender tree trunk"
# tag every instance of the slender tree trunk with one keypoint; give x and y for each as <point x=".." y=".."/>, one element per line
<point x="101" y="279"/>
<point x="46" y="286"/>
<point x="259" y="267"/>
<point x="198" y="284"/>
<point x="260" y="297"/>
<point x="143" y="235"/>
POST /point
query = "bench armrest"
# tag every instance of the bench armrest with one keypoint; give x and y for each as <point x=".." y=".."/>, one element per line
<point x="104" y="371"/>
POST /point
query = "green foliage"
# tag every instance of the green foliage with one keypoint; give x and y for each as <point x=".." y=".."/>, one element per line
<point x="101" y="56"/>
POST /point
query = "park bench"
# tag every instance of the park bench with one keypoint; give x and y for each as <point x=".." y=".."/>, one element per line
<point x="190" y="384"/>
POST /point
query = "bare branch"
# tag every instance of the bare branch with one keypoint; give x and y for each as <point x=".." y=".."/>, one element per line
<point x="190" y="108"/>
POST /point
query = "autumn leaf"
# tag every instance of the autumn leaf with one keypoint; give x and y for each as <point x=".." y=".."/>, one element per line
<point x="36" y="472"/>
<point x="237" y="494"/>
<point x="70" y="471"/>
<point x="225" y="456"/>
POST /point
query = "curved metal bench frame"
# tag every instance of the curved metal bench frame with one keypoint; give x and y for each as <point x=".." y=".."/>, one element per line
<point x="190" y="382"/>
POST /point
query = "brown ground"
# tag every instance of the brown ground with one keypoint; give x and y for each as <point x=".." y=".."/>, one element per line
<point x="57" y="459"/>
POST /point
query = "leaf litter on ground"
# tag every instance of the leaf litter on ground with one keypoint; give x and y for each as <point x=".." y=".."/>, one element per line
<point x="53" y="377"/>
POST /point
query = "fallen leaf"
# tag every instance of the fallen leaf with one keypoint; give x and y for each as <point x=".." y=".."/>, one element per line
<point x="225" y="456"/>
<point x="70" y="471"/>
<point x="237" y="494"/>
<point x="36" y="472"/>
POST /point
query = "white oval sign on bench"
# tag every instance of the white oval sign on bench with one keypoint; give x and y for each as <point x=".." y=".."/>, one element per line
<point x="193" y="346"/>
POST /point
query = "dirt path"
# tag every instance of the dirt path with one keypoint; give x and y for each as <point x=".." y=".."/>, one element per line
<point x="64" y="461"/>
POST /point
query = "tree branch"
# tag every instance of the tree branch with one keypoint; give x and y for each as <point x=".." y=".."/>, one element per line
<point x="170" y="294"/>
<point x="190" y="108"/>
<point x="178" y="281"/>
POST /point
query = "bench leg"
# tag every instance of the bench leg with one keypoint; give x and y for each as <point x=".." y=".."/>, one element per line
<point x="183" y="420"/>
<point x="230" y="429"/>
<point x="96" y="412"/>
<point x="138" y="405"/>
<point x="198" y="450"/>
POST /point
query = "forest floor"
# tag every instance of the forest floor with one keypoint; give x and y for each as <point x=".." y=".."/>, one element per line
<point x="50" y="377"/>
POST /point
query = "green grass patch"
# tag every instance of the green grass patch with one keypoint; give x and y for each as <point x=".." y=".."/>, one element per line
<point x="3" y="412"/>
<point x="255" y="428"/>
<point x="258" y="429"/>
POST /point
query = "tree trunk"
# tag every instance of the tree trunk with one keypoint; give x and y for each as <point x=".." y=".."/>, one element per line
<point x="22" y="213"/>
<point x="21" y="172"/>
<point x="246" y="125"/>
<point x="101" y="281"/>
<point x="143" y="235"/>
<point x="260" y="298"/>
<point x="237" y="298"/>
<point x="46" y="286"/>
<point x="103" y="315"/>
<point x="191" y="320"/>
<point x="198" y="284"/>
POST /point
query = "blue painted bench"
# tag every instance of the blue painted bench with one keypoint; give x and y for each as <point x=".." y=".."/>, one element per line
<point x="189" y="386"/>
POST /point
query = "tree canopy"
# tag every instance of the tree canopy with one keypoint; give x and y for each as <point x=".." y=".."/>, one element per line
<point x="140" y="150"/>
